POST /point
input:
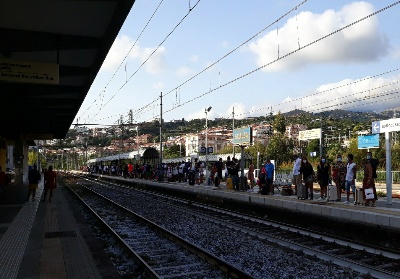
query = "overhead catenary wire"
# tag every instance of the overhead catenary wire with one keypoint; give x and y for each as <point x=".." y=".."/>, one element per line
<point x="232" y="51"/>
<point x="286" y="55"/>
<point x="238" y="47"/>
<point x="309" y="44"/>
<point x="133" y="45"/>
<point x="325" y="91"/>
<point x="150" y="55"/>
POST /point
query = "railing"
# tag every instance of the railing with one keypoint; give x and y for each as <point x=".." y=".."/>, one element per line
<point x="381" y="176"/>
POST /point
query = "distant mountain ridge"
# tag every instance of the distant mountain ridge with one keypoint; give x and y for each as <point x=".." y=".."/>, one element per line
<point x="352" y="115"/>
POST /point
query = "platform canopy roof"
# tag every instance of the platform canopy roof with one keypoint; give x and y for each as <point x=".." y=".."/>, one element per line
<point x="50" y="54"/>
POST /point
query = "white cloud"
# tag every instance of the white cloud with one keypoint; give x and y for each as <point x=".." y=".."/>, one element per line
<point x="184" y="71"/>
<point x="200" y="114"/>
<point x="120" y="48"/>
<point x="357" y="44"/>
<point x="368" y="94"/>
<point x="225" y="44"/>
<point x="194" y="59"/>
<point x="158" y="85"/>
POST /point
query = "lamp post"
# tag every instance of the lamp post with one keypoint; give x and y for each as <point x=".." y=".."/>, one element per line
<point x="137" y="141"/>
<point x="207" y="110"/>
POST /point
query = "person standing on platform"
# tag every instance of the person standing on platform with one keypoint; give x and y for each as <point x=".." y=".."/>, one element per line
<point x="269" y="176"/>
<point x="235" y="166"/>
<point x="34" y="177"/>
<point x="367" y="181"/>
<point x="351" y="169"/>
<point x="339" y="176"/>
<point x="374" y="164"/>
<point x="307" y="171"/>
<point x="50" y="183"/>
<point x="250" y="176"/>
<point x="220" y="167"/>
<point x="296" y="172"/>
<point x="323" y="175"/>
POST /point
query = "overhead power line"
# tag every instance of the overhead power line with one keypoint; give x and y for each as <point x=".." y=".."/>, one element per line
<point x="232" y="51"/>
<point x="151" y="54"/>
<point x="133" y="45"/>
<point x="286" y="55"/>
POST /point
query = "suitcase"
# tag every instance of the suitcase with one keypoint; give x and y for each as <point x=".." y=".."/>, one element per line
<point x="229" y="183"/>
<point x="302" y="192"/>
<point x="191" y="178"/>
<point x="332" y="193"/>
<point x="360" y="196"/>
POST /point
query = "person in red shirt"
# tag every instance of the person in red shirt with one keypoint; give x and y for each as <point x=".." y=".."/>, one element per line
<point x="50" y="182"/>
<point x="130" y="170"/>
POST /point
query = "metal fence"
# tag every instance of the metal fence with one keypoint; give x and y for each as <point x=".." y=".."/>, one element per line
<point x="381" y="176"/>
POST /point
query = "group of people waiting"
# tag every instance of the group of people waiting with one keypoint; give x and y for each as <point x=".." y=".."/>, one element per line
<point x="343" y="174"/>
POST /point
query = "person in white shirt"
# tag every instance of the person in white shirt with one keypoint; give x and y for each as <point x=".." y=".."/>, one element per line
<point x="296" y="172"/>
<point x="351" y="170"/>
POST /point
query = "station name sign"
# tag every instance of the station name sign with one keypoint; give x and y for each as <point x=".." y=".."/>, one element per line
<point x="243" y="136"/>
<point x="310" y="134"/>
<point x="390" y="125"/>
<point x="28" y="71"/>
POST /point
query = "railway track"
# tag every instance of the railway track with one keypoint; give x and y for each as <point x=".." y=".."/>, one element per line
<point x="157" y="251"/>
<point x="378" y="263"/>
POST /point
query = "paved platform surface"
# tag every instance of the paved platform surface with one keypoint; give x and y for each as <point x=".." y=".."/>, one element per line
<point x="46" y="240"/>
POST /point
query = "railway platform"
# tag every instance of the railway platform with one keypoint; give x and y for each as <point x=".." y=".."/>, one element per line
<point x="50" y="240"/>
<point x="47" y="240"/>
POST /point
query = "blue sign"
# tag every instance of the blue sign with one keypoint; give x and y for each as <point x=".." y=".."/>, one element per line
<point x="371" y="141"/>
<point x="243" y="136"/>
<point x="376" y="127"/>
<point x="209" y="150"/>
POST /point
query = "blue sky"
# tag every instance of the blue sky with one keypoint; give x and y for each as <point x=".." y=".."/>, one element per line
<point x="346" y="70"/>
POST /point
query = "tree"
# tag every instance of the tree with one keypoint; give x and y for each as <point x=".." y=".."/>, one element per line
<point x="228" y="149"/>
<point x="175" y="151"/>
<point x="254" y="149"/>
<point x="279" y="123"/>
<point x="280" y="149"/>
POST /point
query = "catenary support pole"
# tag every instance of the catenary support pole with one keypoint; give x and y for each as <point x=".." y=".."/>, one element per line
<point x="388" y="168"/>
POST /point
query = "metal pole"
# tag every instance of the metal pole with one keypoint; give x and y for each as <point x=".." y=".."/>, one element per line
<point x="161" y="155"/>
<point x="233" y="128"/>
<point x="206" y="146"/>
<point x="242" y="184"/>
<point x="137" y="142"/>
<point x="320" y="138"/>
<point x="388" y="168"/>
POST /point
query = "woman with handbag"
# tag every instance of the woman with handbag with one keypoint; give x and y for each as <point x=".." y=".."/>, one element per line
<point x="368" y="185"/>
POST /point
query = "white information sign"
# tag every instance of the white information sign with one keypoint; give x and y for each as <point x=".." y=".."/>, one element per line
<point x="310" y="134"/>
<point x="390" y="125"/>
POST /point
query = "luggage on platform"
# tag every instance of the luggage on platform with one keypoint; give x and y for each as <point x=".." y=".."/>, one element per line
<point x="332" y="193"/>
<point x="229" y="183"/>
<point x="302" y="192"/>
<point x="191" y="178"/>
<point x="265" y="190"/>
<point x="360" y="196"/>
